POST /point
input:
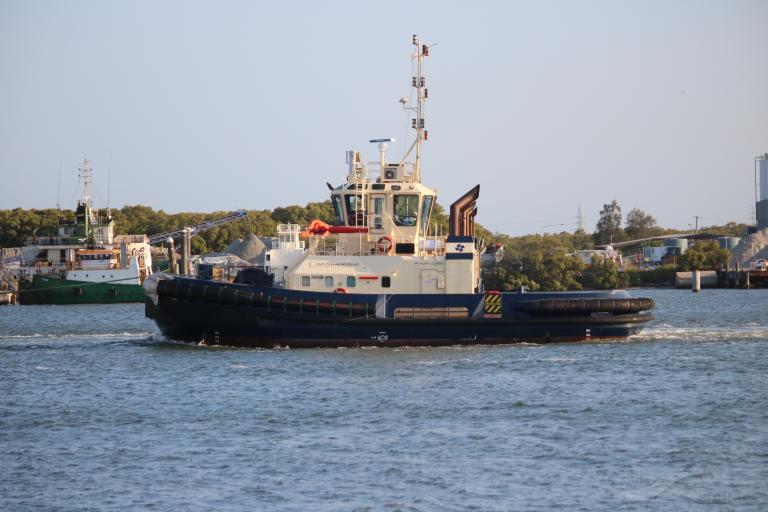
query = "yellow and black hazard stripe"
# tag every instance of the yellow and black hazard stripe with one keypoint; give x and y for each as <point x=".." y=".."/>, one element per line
<point x="492" y="304"/>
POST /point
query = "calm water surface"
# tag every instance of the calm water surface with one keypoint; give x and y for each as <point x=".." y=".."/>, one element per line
<point x="99" y="413"/>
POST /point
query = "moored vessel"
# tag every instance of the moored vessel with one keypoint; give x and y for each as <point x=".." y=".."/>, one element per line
<point x="85" y="262"/>
<point x="383" y="275"/>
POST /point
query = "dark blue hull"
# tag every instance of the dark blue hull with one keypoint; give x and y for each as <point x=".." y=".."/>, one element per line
<point x="252" y="316"/>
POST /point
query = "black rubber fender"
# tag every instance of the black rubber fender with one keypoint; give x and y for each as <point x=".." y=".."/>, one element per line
<point x="583" y="307"/>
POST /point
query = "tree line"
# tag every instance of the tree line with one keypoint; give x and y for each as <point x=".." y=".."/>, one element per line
<point x="539" y="262"/>
<point x="18" y="224"/>
<point x="640" y="224"/>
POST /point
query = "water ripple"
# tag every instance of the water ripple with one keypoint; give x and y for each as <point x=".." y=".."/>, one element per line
<point x="101" y="413"/>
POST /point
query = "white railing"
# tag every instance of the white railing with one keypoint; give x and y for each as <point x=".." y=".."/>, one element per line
<point x="371" y="244"/>
<point x="131" y="239"/>
<point x="372" y="171"/>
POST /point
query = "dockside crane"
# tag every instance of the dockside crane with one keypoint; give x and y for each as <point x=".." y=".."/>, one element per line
<point x="186" y="234"/>
<point x="197" y="228"/>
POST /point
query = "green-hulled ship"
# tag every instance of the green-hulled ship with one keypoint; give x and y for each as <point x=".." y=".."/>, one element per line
<point x="86" y="263"/>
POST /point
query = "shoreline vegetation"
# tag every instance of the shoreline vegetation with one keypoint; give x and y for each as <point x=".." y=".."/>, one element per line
<point x="540" y="262"/>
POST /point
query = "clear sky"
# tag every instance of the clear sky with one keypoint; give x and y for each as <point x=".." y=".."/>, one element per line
<point x="548" y="105"/>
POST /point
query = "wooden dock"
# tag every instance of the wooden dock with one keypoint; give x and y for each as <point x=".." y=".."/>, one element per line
<point x="745" y="279"/>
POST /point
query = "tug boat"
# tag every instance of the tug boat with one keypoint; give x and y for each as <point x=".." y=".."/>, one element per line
<point x="382" y="275"/>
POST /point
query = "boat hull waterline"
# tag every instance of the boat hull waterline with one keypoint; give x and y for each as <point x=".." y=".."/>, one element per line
<point x="215" y="313"/>
<point x="57" y="290"/>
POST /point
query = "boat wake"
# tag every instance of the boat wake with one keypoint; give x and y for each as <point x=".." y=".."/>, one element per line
<point x="50" y="336"/>
<point x="59" y="340"/>
<point x="703" y="334"/>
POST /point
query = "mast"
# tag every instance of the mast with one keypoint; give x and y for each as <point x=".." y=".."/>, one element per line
<point x="85" y="173"/>
<point x="418" y="82"/>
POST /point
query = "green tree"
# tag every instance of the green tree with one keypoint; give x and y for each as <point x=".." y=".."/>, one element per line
<point x="538" y="262"/>
<point x="293" y="214"/>
<point x="18" y="224"/>
<point x="603" y="274"/>
<point x="322" y="211"/>
<point x="552" y="265"/>
<point x="507" y="276"/>
<point x="260" y="222"/>
<point x="579" y="240"/>
<point x="640" y="224"/>
<point x="705" y="255"/>
<point x="608" y="227"/>
<point x="729" y="229"/>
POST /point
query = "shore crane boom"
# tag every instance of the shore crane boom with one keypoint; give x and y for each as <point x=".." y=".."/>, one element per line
<point x="198" y="228"/>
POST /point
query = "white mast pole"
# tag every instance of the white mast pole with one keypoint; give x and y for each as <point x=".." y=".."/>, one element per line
<point x="86" y="175"/>
<point x="419" y="84"/>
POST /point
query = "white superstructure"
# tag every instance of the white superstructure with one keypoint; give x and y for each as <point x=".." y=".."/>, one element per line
<point x="383" y="240"/>
<point x="86" y="248"/>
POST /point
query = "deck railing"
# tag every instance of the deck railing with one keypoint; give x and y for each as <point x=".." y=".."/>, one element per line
<point x="370" y="244"/>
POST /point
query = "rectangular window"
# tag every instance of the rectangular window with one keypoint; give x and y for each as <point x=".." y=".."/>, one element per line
<point x="426" y="210"/>
<point x="385" y="281"/>
<point x="351" y="282"/>
<point x="378" y="212"/>
<point x="304" y="280"/>
<point x="355" y="211"/>
<point x="338" y="210"/>
<point x="329" y="281"/>
<point x="406" y="209"/>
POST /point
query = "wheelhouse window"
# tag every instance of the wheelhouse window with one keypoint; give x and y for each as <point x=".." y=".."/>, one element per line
<point x="386" y="282"/>
<point x="426" y="212"/>
<point x="377" y="203"/>
<point x="355" y="210"/>
<point x="338" y="209"/>
<point x="351" y="281"/>
<point x="406" y="209"/>
<point x="329" y="281"/>
<point x="305" y="280"/>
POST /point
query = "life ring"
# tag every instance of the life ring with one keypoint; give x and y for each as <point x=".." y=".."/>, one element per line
<point x="341" y="290"/>
<point x="385" y="244"/>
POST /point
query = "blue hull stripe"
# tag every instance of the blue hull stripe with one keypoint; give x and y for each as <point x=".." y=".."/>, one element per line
<point x="459" y="256"/>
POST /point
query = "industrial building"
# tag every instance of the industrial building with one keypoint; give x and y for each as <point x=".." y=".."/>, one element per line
<point x="761" y="191"/>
